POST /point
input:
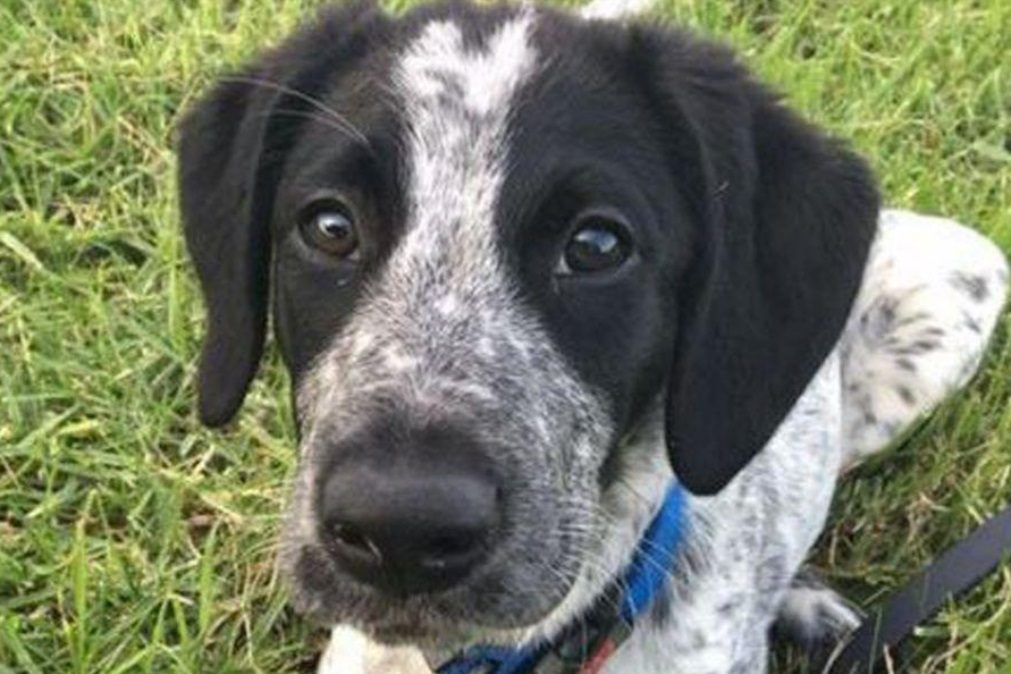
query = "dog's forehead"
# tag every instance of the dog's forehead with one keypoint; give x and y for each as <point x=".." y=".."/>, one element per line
<point x="457" y="95"/>
<point x="443" y="67"/>
<point x="459" y="103"/>
<point x="487" y="101"/>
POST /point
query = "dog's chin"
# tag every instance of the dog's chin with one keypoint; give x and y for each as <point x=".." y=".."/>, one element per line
<point x="406" y="633"/>
<point x="476" y="611"/>
<point x="434" y="635"/>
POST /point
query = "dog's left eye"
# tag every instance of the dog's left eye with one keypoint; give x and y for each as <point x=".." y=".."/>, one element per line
<point x="599" y="243"/>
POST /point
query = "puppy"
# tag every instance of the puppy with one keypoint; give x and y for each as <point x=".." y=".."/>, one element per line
<point x="529" y="270"/>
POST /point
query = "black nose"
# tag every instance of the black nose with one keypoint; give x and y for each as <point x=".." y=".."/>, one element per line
<point x="408" y="531"/>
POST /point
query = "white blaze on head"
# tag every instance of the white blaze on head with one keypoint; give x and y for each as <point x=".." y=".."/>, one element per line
<point x="614" y="10"/>
<point x="457" y="100"/>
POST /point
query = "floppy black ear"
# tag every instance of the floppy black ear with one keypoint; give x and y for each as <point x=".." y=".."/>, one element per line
<point x="232" y="146"/>
<point x="788" y="217"/>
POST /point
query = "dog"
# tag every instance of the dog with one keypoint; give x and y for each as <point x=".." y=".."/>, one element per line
<point x="527" y="270"/>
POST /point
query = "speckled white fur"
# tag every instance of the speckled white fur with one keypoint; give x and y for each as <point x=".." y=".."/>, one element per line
<point x="747" y="542"/>
<point x="931" y="295"/>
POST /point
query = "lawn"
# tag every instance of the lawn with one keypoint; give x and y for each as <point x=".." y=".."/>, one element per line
<point x="133" y="540"/>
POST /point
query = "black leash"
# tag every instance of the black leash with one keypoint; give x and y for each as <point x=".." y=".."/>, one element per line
<point x="958" y="569"/>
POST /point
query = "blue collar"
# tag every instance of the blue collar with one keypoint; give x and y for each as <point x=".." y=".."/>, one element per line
<point x="643" y="580"/>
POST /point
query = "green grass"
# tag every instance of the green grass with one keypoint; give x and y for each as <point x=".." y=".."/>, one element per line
<point x="133" y="540"/>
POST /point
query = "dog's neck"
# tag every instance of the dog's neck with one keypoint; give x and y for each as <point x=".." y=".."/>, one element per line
<point x="592" y="637"/>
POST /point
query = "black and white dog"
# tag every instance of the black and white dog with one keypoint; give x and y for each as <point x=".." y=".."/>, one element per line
<point x="526" y="267"/>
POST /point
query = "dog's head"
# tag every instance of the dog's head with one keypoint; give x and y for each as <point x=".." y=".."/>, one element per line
<point x="500" y="243"/>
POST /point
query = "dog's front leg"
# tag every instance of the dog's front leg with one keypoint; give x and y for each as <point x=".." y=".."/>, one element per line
<point x="351" y="652"/>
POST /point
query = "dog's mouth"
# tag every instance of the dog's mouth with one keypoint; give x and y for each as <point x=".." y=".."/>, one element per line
<point x="401" y="632"/>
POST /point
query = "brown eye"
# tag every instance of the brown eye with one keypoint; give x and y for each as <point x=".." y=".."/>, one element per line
<point x="600" y="243"/>
<point x="331" y="229"/>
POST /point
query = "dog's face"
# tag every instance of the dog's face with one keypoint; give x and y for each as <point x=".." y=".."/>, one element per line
<point x="501" y="243"/>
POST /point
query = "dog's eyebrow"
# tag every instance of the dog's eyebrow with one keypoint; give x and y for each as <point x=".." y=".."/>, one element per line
<point x="339" y="121"/>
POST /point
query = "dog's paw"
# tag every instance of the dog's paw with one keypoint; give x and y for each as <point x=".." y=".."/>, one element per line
<point x="813" y="615"/>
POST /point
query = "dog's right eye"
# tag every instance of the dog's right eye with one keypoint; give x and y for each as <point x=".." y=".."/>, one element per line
<point x="330" y="227"/>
